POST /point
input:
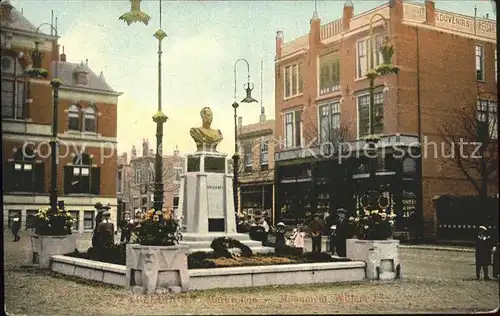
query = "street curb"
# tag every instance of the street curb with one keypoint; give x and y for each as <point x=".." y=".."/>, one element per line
<point x="437" y="248"/>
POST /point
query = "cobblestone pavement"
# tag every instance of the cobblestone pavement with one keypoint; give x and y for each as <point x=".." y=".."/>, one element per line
<point x="433" y="281"/>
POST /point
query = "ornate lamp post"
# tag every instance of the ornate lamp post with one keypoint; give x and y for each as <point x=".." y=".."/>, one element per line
<point x="384" y="69"/>
<point x="248" y="99"/>
<point x="136" y="15"/>
<point x="36" y="71"/>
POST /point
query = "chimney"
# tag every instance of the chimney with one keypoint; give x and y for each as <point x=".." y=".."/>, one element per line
<point x="62" y="57"/>
<point x="176" y="151"/>
<point x="430" y="12"/>
<point x="279" y="44"/>
<point x="134" y="152"/>
<point x="145" y="147"/>
<point x="347" y="14"/>
<point x="315" y="30"/>
<point x="125" y="159"/>
<point x="5" y="10"/>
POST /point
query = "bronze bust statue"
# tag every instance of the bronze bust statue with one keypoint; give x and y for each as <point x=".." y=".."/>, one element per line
<point x="206" y="138"/>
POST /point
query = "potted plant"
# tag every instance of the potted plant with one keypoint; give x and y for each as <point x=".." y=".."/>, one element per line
<point x="156" y="261"/>
<point x="372" y="242"/>
<point x="52" y="236"/>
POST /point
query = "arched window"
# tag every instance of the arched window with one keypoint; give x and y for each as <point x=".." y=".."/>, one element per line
<point x="81" y="177"/>
<point x="90" y="120"/>
<point x="74" y="118"/>
<point x="13" y="87"/>
<point x="22" y="173"/>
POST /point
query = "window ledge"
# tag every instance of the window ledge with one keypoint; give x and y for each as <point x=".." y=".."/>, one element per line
<point x="481" y="81"/>
<point x="80" y="194"/>
<point x="26" y="193"/>
<point x="324" y="97"/>
<point x="293" y="96"/>
<point x="14" y="120"/>
<point x="90" y="134"/>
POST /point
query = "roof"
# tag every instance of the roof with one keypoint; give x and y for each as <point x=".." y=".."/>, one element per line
<point x="16" y="20"/>
<point x="66" y="72"/>
<point x="256" y="127"/>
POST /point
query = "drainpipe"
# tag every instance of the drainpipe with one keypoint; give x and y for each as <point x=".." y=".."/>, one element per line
<point x="419" y="128"/>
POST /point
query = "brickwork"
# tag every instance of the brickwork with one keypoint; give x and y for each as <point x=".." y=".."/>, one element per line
<point x="447" y="83"/>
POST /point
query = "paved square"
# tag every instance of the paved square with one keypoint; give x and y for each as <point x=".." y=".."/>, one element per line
<point x="434" y="281"/>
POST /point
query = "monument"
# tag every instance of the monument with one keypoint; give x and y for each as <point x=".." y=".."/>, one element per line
<point x="206" y="193"/>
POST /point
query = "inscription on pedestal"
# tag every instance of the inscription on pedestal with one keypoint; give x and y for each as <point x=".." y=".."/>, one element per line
<point x="215" y="164"/>
<point x="215" y="188"/>
<point x="193" y="164"/>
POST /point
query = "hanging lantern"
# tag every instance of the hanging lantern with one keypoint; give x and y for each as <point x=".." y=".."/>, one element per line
<point x="135" y="14"/>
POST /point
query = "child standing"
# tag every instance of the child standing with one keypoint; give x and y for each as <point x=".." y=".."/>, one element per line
<point x="298" y="238"/>
<point x="483" y="252"/>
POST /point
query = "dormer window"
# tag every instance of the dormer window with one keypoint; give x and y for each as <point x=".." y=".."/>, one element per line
<point x="82" y="74"/>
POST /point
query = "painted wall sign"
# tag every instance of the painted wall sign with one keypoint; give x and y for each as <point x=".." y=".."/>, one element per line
<point x="466" y="24"/>
<point x="414" y="12"/>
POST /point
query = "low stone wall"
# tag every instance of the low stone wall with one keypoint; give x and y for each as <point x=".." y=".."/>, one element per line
<point x="204" y="279"/>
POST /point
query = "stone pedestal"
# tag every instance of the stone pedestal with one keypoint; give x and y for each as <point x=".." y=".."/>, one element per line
<point x="381" y="257"/>
<point x="44" y="247"/>
<point x="156" y="269"/>
<point x="206" y="203"/>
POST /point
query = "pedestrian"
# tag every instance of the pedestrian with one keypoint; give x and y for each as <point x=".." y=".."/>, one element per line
<point x="15" y="227"/>
<point x="298" y="238"/>
<point x="265" y="227"/>
<point x="316" y="230"/>
<point x="483" y="252"/>
<point x="332" y="238"/>
<point x="126" y="226"/>
<point x="495" y="260"/>
<point x="280" y="236"/>
<point x="106" y="231"/>
<point x="341" y="233"/>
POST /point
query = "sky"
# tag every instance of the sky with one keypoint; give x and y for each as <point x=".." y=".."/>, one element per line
<point x="205" y="38"/>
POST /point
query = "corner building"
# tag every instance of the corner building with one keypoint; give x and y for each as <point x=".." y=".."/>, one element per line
<point x="322" y="96"/>
<point x="87" y="127"/>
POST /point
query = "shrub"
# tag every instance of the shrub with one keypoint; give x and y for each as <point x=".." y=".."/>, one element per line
<point x="198" y="260"/>
<point x="53" y="222"/>
<point x="157" y="228"/>
<point x="222" y="245"/>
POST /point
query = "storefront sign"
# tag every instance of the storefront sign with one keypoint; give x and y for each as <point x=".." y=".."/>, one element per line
<point x="215" y="188"/>
<point x="465" y="24"/>
<point x="414" y="12"/>
<point x="409" y="202"/>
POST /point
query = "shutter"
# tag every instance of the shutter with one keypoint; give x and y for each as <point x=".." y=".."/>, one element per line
<point x="95" y="180"/>
<point x="301" y="79"/>
<point x="8" y="168"/>
<point x="39" y="177"/>
<point x="68" y="178"/>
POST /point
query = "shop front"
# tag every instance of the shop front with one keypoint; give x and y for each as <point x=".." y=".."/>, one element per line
<point x="257" y="197"/>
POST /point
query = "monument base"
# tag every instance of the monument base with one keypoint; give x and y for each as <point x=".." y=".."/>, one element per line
<point x="202" y="242"/>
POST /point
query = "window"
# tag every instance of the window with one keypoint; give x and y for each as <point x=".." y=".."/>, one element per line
<point x="138" y="176"/>
<point x="12" y="215"/>
<point x="293" y="134"/>
<point x="13" y="88"/>
<point x="293" y="81"/>
<point x="76" y="220"/>
<point x="496" y="67"/>
<point x="119" y="181"/>
<point x="136" y="202"/>
<point x="90" y="120"/>
<point x="88" y="220"/>
<point x="364" y="114"/>
<point x="329" y="121"/>
<point x="74" y="118"/>
<point x="362" y="51"/>
<point x="248" y="156"/>
<point x="178" y="172"/>
<point x="487" y="112"/>
<point x="23" y="173"/>
<point x="176" y="203"/>
<point x="81" y="177"/>
<point x="329" y="80"/>
<point x="30" y="219"/>
<point x="264" y="155"/>
<point x="480" y="62"/>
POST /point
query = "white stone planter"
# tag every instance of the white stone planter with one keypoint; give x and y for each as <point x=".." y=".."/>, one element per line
<point x="156" y="268"/>
<point x="381" y="257"/>
<point x="44" y="247"/>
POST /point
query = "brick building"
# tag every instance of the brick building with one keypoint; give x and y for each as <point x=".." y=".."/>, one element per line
<point x="137" y="179"/>
<point x="256" y="171"/>
<point x="322" y="95"/>
<point x="87" y="126"/>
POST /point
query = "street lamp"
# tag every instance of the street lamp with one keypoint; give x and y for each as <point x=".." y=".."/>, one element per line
<point x="248" y="99"/>
<point x="36" y="71"/>
<point x="384" y="69"/>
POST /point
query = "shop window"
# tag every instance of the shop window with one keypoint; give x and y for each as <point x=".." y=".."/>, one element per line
<point x="76" y="220"/>
<point x="88" y="220"/>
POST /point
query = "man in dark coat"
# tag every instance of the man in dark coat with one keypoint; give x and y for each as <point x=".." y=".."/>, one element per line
<point x="316" y="228"/>
<point x="15" y="227"/>
<point x="98" y="219"/>
<point x="341" y="233"/>
<point x="483" y="252"/>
